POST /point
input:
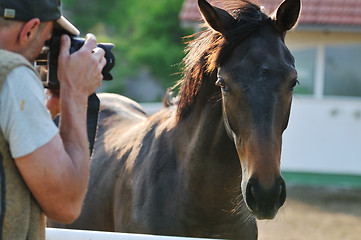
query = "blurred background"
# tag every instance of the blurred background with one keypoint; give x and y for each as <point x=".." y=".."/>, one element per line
<point x="321" y="158"/>
<point x="147" y="37"/>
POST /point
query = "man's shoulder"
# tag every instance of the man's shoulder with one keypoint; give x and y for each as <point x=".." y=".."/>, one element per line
<point x="10" y="60"/>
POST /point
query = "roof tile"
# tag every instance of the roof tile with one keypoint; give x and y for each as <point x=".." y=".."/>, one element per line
<point x="320" y="12"/>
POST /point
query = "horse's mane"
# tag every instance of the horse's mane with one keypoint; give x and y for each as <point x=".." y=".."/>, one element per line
<point x="211" y="49"/>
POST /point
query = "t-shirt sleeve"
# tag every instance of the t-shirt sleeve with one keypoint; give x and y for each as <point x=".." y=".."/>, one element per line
<point x="25" y="121"/>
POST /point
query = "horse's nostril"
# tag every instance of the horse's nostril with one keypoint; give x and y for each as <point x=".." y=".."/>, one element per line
<point x="282" y="194"/>
<point x="251" y="196"/>
<point x="265" y="202"/>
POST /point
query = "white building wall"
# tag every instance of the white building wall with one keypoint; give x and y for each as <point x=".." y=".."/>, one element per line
<point x="323" y="136"/>
<point x="324" y="133"/>
<point x="300" y="39"/>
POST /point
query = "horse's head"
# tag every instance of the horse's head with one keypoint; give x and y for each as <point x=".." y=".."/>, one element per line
<point x="256" y="79"/>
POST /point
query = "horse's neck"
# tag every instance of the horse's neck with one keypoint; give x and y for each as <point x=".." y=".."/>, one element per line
<point x="209" y="158"/>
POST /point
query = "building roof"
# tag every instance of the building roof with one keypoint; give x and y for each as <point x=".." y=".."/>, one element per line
<point x="314" y="12"/>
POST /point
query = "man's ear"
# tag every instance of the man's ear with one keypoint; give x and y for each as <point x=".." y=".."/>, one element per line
<point x="29" y="31"/>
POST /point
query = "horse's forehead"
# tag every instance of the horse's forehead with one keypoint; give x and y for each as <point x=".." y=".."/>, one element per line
<point x="264" y="45"/>
<point x="260" y="54"/>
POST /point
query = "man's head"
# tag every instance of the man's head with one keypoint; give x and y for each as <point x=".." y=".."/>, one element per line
<point x="27" y="24"/>
<point x="44" y="10"/>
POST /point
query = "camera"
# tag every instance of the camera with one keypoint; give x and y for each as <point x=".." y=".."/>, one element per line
<point x="47" y="62"/>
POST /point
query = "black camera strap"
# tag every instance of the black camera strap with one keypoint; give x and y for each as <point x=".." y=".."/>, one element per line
<point x="92" y="119"/>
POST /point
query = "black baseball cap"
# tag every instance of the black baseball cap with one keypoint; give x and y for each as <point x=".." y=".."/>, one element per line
<point x="45" y="10"/>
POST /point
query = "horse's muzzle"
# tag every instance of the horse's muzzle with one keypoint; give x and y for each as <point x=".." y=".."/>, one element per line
<point x="264" y="203"/>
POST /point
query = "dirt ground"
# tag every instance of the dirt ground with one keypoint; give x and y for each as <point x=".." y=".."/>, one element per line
<point x="316" y="213"/>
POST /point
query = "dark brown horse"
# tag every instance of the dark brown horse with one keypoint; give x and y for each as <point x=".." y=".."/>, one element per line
<point x="209" y="165"/>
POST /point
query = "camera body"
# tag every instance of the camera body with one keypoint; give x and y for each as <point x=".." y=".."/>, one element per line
<point x="48" y="59"/>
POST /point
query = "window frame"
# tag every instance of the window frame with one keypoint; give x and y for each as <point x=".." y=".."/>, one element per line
<point x="320" y="68"/>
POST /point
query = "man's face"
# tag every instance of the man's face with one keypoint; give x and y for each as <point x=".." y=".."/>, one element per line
<point x="32" y="51"/>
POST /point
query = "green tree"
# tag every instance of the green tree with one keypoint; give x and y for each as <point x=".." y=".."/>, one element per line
<point x="147" y="34"/>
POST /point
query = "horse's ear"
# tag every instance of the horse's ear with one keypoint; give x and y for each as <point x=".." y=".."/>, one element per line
<point x="286" y="15"/>
<point x="216" y="18"/>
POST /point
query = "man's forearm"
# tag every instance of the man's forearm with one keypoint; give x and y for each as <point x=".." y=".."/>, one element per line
<point x="72" y="128"/>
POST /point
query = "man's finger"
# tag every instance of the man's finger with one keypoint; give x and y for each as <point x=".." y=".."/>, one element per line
<point x="99" y="53"/>
<point x="64" y="45"/>
<point x="103" y="62"/>
<point x="90" y="43"/>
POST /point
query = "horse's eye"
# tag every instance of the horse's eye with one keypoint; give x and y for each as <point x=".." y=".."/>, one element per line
<point x="221" y="83"/>
<point x="293" y="83"/>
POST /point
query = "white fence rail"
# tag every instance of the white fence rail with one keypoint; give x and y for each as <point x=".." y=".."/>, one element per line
<point x="67" y="234"/>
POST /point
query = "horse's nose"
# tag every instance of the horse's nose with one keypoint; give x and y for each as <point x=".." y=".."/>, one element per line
<point x="264" y="203"/>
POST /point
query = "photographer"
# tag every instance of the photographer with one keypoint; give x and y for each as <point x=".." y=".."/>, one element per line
<point x="43" y="169"/>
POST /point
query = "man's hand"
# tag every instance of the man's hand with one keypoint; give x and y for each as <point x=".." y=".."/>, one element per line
<point x="82" y="70"/>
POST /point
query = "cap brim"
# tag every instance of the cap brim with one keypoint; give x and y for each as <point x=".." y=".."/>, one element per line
<point x="67" y="26"/>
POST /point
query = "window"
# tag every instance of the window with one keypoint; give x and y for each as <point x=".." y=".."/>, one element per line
<point x="343" y="71"/>
<point x="305" y="65"/>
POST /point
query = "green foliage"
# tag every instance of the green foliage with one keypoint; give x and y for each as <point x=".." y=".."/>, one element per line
<point x="147" y="34"/>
